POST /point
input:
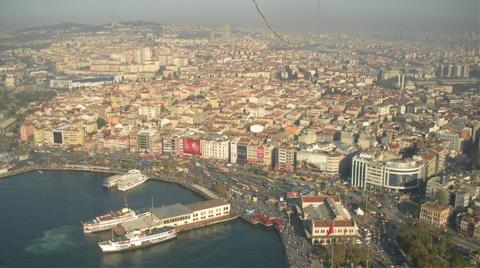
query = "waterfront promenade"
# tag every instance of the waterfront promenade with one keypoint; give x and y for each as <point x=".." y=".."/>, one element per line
<point x="296" y="248"/>
<point x="62" y="168"/>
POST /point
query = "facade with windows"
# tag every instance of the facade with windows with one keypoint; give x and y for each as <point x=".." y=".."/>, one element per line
<point x="369" y="172"/>
<point x="67" y="136"/>
<point x="210" y="209"/>
<point x="215" y="148"/>
<point x="435" y="214"/>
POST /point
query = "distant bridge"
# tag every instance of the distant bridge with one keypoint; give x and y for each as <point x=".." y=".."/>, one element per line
<point x="470" y="81"/>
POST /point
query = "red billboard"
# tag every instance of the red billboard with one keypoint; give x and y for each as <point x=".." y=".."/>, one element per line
<point x="260" y="153"/>
<point x="191" y="146"/>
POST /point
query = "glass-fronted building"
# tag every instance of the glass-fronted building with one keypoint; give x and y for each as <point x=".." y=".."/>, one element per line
<point x="369" y="172"/>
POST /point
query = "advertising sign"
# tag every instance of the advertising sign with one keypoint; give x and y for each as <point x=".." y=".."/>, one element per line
<point x="191" y="146"/>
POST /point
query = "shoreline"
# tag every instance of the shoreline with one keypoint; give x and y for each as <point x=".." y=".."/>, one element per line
<point x="156" y="177"/>
<point x="38" y="168"/>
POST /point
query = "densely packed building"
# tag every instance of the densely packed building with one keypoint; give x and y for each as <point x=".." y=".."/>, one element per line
<point x="242" y="100"/>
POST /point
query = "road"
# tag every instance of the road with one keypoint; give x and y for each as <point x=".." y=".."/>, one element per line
<point x="206" y="174"/>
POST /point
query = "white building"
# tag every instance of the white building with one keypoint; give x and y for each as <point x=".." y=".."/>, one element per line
<point x="217" y="149"/>
<point x="368" y="172"/>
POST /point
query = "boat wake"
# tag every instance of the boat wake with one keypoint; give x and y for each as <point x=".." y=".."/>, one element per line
<point x="55" y="240"/>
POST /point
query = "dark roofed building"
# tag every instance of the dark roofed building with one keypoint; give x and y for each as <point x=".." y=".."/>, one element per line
<point x="325" y="218"/>
<point x="170" y="211"/>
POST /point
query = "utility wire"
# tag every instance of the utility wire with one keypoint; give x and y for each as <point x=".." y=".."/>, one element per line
<point x="317" y="14"/>
<point x="268" y="24"/>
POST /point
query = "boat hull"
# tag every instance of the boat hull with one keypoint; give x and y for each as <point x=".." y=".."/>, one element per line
<point x="124" y="188"/>
<point x="94" y="227"/>
<point x="127" y="246"/>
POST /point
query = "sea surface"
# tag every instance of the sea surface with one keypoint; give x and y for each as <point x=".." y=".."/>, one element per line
<point x="40" y="226"/>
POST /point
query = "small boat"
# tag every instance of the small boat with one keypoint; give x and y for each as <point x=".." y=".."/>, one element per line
<point x="40" y="171"/>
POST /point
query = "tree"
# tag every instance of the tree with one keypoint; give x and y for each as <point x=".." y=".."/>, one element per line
<point x="423" y="245"/>
<point x="442" y="246"/>
<point x="418" y="254"/>
<point x="220" y="188"/>
<point x="101" y="122"/>
<point x="457" y="260"/>
<point x="442" y="197"/>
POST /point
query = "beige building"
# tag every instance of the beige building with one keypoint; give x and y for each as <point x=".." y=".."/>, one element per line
<point x="209" y="209"/>
<point x="333" y="163"/>
<point x="10" y="81"/>
<point x="67" y="136"/>
<point x="286" y="158"/>
<point x="177" y="214"/>
<point x="39" y="136"/>
<point x="215" y="149"/>
<point x="435" y="214"/>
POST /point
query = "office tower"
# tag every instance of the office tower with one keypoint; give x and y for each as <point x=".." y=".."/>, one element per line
<point x="226" y="32"/>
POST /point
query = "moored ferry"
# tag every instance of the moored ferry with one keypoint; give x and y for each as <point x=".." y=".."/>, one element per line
<point x="112" y="181"/>
<point x="132" y="179"/>
<point x="138" y="239"/>
<point x="110" y="220"/>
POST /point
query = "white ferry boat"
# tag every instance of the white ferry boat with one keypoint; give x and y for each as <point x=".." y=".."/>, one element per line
<point x="138" y="239"/>
<point x="112" y="181"/>
<point x="132" y="179"/>
<point x="110" y="220"/>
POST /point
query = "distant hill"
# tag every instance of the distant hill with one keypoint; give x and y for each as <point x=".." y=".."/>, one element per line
<point x="66" y="26"/>
<point x="78" y="27"/>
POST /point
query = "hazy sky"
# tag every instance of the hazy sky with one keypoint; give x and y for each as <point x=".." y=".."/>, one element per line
<point x="284" y="15"/>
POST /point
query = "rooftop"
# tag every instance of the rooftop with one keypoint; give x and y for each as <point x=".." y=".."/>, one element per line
<point x="170" y="211"/>
<point x="207" y="204"/>
<point x="434" y="206"/>
<point x="337" y="223"/>
<point x="329" y="208"/>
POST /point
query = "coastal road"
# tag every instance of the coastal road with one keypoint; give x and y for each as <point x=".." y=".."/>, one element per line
<point x="462" y="242"/>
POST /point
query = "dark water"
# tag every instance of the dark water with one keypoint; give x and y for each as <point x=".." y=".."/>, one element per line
<point x="40" y="227"/>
